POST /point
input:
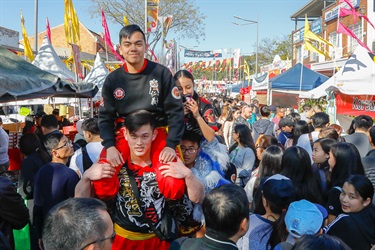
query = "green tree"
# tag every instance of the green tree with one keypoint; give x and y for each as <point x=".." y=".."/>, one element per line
<point x="187" y="21"/>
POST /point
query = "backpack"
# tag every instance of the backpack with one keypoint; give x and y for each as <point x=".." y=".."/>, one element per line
<point x="86" y="161"/>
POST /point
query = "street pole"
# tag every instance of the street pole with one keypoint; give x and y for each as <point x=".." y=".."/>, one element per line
<point x="161" y="18"/>
<point x="257" y="37"/>
<point x="256" y="54"/>
<point x="36" y="26"/>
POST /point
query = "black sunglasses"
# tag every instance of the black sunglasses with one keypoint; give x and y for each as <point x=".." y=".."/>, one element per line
<point x="112" y="237"/>
<point x="67" y="143"/>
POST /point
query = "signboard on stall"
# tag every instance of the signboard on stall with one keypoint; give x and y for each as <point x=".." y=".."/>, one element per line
<point x="355" y="104"/>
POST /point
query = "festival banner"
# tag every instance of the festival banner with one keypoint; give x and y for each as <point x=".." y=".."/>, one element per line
<point x="355" y="105"/>
<point x="201" y="54"/>
<point x="107" y="38"/>
<point x="311" y="38"/>
<point x="48" y="31"/>
<point x="71" y="23"/>
<point x="77" y="61"/>
<point x="167" y="25"/>
<point x="236" y="61"/>
<point x="345" y="30"/>
<point x="126" y="22"/>
<point x="26" y="44"/>
<point x="152" y="15"/>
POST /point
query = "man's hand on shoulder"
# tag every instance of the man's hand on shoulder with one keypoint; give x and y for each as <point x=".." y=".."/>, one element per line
<point x="176" y="169"/>
<point x="99" y="171"/>
<point x="167" y="155"/>
<point x="114" y="157"/>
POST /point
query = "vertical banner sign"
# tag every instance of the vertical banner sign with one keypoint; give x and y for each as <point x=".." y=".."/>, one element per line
<point x="167" y="24"/>
<point x="236" y="61"/>
<point x="77" y="60"/>
<point x="170" y="55"/>
<point x="152" y="15"/>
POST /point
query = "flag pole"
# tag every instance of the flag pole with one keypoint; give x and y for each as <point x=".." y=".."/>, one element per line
<point x="146" y="19"/>
<point x="36" y="26"/>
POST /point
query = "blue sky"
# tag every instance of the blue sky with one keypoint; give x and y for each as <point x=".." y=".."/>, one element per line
<point x="273" y="17"/>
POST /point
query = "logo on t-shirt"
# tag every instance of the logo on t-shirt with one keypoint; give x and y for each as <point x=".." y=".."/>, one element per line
<point x="176" y="93"/>
<point x="119" y="93"/>
<point x="209" y="116"/>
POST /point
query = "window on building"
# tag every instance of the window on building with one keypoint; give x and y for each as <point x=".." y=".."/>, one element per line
<point x="352" y="43"/>
<point x="335" y="39"/>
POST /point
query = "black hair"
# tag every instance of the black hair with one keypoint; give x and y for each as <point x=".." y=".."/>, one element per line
<point x="91" y="125"/>
<point x="265" y="111"/>
<point x="351" y="128"/>
<point x="82" y="214"/>
<point x="296" y="165"/>
<point x="348" y="162"/>
<point x="128" y="30"/>
<point x="326" y="144"/>
<point x="29" y="123"/>
<point x="270" y="163"/>
<point x="191" y="136"/>
<point x="295" y="117"/>
<point x="231" y="170"/>
<point x="137" y="119"/>
<point x="29" y="143"/>
<point x="362" y="185"/>
<point x="363" y="122"/>
<point x="301" y="127"/>
<point x="323" y="241"/>
<point x="245" y="137"/>
<point x="49" y="122"/>
<point x="224" y="208"/>
<point x="183" y="73"/>
<point x="372" y="135"/>
<point x="230" y="117"/>
<point x="320" y="120"/>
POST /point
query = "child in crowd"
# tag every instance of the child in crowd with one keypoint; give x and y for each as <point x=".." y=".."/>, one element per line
<point x="302" y="218"/>
<point x="320" y="156"/>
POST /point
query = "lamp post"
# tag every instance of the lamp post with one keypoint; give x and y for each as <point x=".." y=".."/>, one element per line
<point x="250" y="22"/>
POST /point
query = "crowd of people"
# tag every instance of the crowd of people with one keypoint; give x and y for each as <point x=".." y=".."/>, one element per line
<point x="163" y="168"/>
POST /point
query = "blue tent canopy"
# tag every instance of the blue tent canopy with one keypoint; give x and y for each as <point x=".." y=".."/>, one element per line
<point x="290" y="79"/>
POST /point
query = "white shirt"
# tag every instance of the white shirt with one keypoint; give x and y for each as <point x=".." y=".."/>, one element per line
<point x="304" y="142"/>
<point x="4" y="141"/>
<point x="93" y="149"/>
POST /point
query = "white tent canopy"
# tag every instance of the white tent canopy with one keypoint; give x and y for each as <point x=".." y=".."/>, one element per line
<point x="356" y="77"/>
<point x="97" y="75"/>
<point x="48" y="60"/>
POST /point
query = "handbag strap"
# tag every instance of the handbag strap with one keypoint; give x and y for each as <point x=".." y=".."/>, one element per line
<point x="134" y="186"/>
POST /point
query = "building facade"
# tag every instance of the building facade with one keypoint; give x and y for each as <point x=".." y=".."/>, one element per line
<point x="323" y="18"/>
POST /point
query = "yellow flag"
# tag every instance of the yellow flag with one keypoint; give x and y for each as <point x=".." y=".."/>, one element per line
<point x="126" y="22"/>
<point x="71" y="23"/>
<point x="246" y="69"/>
<point x="309" y="46"/>
<point x="310" y="37"/>
<point x="26" y="44"/>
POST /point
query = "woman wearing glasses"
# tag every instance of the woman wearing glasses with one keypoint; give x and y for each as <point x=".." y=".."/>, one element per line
<point x="54" y="182"/>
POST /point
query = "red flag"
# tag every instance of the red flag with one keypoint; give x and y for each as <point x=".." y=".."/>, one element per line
<point x="77" y="60"/>
<point x="345" y="30"/>
<point x="48" y="31"/>
<point x="107" y="38"/>
<point x="346" y="12"/>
